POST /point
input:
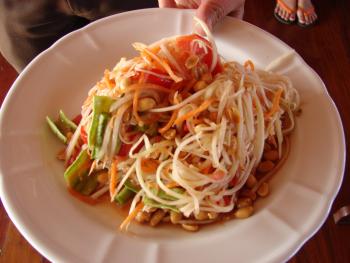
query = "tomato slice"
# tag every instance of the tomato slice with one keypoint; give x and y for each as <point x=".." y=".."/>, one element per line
<point x="149" y="78"/>
<point x="164" y="82"/>
<point x="124" y="149"/>
<point x="184" y="46"/>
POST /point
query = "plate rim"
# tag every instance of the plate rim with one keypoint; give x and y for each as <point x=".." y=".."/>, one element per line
<point x="47" y="251"/>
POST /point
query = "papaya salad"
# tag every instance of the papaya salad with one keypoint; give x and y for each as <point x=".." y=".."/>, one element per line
<point x="179" y="135"/>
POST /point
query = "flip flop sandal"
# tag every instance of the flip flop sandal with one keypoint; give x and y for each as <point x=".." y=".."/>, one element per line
<point x="306" y="12"/>
<point x="287" y="9"/>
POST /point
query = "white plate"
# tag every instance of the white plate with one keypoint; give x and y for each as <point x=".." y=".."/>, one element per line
<point x="63" y="229"/>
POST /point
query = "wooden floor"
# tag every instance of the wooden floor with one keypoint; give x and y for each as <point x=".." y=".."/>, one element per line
<point x="326" y="48"/>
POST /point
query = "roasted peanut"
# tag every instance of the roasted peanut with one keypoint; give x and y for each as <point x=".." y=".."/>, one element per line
<point x="175" y="217"/>
<point x="271" y="155"/>
<point x="188" y="227"/>
<point x="272" y="141"/>
<point x="213" y="215"/>
<point x="207" y="77"/>
<point x="265" y="166"/>
<point x="157" y="217"/>
<point x="146" y="104"/>
<point x="267" y="147"/>
<point x="201" y="216"/>
<point x="143" y="217"/>
<point x="166" y="219"/>
<point x="244" y="212"/>
<point x="251" y="181"/>
<point x="243" y="202"/>
<point x="102" y="178"/>
<point x="169" y="134"/>
<point x="248" y="193"/>
<point x="263" y="189"/>
<point x="201" y="84"/>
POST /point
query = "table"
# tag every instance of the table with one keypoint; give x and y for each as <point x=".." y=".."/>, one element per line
<point x="326" y="48"/>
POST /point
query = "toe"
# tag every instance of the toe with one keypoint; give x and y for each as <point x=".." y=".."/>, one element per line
<point x="285" y="14"/>
<point x="292" y="17"/>
<point x="312" y="18"/>
<point x="307" y="19"/>
<point x="281" y="12"/>
<point x="277" y="8"/>
<point x="301" y="18"/>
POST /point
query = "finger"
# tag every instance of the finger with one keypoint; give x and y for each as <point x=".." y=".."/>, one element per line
<point x="238" y="13"/>
<point x="167" y="3"/>
<point x="212" y="11"/>
<point x="188" y="4"/>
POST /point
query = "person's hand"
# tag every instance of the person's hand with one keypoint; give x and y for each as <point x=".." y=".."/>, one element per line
<point x="210" y="11"/>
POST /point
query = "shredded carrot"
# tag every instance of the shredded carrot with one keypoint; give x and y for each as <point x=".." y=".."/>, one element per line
<point x="172" y="185"/>
<point x="149" y="165"/>
<point x="160" y="61"/>
<point x="170" y="122"/>
<point x="249" y="64"/>
<point x="113" y="179"/>
<point x="172" y="118"/>
<point x="148" y="86"/>
<point x="152" y="185"/>
<point x="275" y="103"/>
<point x="194" y="112"/>
<point x="198" y="121"/>
<point x="155" y="49"/>
<point x="110" y="83"/>
<point x="131" y="216"/>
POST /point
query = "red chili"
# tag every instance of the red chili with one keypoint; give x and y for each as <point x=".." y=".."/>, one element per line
<point x="164" y="82"/>
<point x="73" y="157"/>
<point x="83" y="135"/>
<point x="77" y="119"/>
<point x="227" y="199"/>
<point x="233" y="182"/>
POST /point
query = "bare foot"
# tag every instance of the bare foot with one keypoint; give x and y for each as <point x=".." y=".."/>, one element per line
<point x="306" y="13"/>
<point x="285" y="10"/>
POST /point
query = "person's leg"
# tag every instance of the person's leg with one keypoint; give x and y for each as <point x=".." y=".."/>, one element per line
<point x="29" y="27"/>
<point x="94" y="9"/>
<point x="306" y="13"/>
<point x="285" y="11"/>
